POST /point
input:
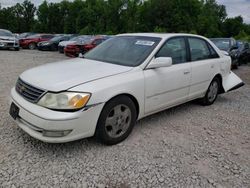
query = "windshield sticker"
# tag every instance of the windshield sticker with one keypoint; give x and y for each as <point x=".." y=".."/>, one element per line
<point x="225" y="42"/>
<point x="144" y="43"/>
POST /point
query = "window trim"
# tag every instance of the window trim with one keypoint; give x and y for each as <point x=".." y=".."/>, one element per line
<point x="207" y="44"/>
<point x="186" y="47"/>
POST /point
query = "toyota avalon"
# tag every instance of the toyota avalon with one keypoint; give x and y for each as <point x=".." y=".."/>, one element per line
<point x="122" y="80"/>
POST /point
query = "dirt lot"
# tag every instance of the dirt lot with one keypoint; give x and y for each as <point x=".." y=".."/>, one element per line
<point x="186" y="146"/>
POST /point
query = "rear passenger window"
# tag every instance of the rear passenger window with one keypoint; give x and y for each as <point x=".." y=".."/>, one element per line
<point x="175" y="48"/>
<point x="199" y="49"/>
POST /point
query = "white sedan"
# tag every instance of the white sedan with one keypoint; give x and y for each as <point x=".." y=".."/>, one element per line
<point x="124" y="79"/>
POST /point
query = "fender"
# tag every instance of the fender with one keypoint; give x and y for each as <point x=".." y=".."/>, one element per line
<point x="232" y="82"/>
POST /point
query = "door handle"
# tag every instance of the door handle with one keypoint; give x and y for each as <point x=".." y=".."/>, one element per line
<point x="186" y="72"/>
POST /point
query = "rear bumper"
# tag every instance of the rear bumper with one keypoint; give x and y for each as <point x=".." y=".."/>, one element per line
<point x="237" y="86"/>
<point x="231" y="82"/>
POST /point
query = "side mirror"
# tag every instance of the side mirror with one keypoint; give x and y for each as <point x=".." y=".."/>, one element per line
<point x="225" y="52"/>
<point x="160" y="62"/>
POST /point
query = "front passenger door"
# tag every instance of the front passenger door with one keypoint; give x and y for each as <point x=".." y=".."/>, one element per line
<point x="168" y="86"/>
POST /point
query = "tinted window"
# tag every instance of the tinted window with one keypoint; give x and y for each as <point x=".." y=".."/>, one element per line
<point x="175" y="48"/>
<point x="198" y="49"/>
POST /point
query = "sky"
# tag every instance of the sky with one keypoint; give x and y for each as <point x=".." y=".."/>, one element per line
<point x="234" y="7"/>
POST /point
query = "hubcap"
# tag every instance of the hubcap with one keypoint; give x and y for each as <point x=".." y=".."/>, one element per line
<point x="213" y="90"/>
<point x="118" y="121"/>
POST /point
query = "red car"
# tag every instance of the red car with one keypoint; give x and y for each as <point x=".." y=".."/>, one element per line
<point x="73" y="50"/>
<point x="32" y="41"/>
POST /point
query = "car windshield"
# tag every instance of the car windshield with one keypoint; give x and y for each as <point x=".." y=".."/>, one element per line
<point x="23" y="35"/>
<point x="6" y="33"/>
<point x="240" y="45"/>
<point x="73" y="39"/>
<point x="54" y="39"/>
<point x="76" y="38"/>
<point x="222" y="44"/>
<point x="84" y="40"/>
<point x="124" y="50"/>
<point x="33" y="36"/>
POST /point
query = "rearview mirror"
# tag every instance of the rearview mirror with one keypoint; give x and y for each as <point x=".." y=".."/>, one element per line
<point x="160" y="62"/>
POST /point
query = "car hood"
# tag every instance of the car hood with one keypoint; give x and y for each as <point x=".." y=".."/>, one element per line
<point x="7" y="38"/>
<point x="67" y="74"/>
<point x="65" y="43"/>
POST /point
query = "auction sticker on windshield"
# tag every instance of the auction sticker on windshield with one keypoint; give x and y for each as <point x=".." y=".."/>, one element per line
<point x="145" y="42"/>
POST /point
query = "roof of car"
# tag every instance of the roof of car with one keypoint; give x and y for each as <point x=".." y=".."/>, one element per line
<point x="161" y="35"/>
<point x="5" y="30"/>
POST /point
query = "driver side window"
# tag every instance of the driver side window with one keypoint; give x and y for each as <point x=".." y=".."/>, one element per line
<point x="174" y="48"/>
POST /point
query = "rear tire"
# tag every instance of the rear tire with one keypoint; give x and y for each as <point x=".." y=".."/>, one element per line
<point x="116" y="121"/>
<point x="212" y="92"/>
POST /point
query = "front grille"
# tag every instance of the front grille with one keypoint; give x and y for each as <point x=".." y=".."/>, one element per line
<point x="28" y="92"/>
<point x="10" y="44"/>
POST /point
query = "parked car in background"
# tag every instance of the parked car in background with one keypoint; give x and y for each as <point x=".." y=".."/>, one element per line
<point x="8" y="40"/>
<point x="73" y="50"/>
<point x="244" y="51"/>
<point x="31" y="41"/>
<point x="73" y="40"/>
<point x="230" y="46"/>
<point x="127" y="78"/>
<point x="25" y="35"/>
<point x="52" y="44"/>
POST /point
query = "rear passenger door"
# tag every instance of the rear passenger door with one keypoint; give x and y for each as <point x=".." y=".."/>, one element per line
<point x="203" y="63"/>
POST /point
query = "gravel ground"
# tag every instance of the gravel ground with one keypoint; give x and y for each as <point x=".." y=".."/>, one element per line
<point x="186" y="146"/>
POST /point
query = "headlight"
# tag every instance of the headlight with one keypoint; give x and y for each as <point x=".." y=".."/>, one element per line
<point x="44" y="44"/>
<point x="64" y="100"/>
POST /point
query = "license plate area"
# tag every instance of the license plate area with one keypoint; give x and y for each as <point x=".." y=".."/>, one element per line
<point x="14" y="110"/>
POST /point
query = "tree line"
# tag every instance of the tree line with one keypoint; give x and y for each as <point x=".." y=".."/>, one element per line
<point x="204" y="17"/>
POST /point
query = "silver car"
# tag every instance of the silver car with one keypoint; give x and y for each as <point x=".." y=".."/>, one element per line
<point x="8" y="40"/>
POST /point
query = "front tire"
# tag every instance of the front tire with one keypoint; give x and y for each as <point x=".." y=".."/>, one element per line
<point x="116" y="121"/>
<point x="212" y="92"/>
<point x="32" y="46"/>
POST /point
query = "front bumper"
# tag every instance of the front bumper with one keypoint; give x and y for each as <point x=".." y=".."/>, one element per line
<point x="8" y="44"/>
<point x="36" y="120"/>
<point x="61" y="49"/>
<point x="71" y="52"/>
<point x="43" y="48"/>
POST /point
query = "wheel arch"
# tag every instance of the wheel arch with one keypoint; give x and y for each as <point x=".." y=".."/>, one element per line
<point x="221" y="89"/>
<point x="133" y="98"/>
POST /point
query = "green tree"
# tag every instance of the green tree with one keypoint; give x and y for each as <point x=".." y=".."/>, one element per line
<point x="233" y="26"/>
<point x="28" y="14"/>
